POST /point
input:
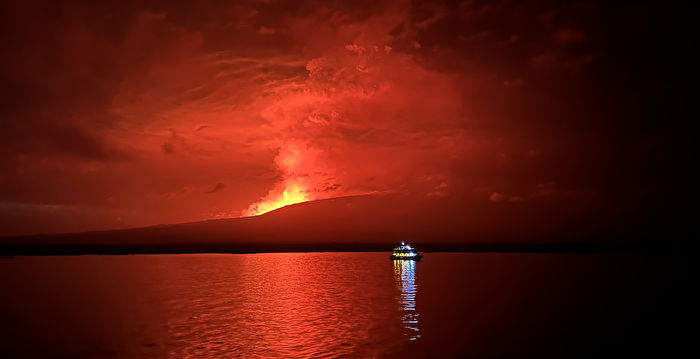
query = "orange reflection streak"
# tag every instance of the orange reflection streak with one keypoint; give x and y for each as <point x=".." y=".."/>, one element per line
<point x="304" y="306"/>
<point x="272" y="305"/>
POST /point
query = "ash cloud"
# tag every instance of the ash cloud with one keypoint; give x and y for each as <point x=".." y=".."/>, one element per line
<point x="138" y="107"/>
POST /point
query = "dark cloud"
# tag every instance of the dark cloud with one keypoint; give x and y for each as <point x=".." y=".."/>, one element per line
<point x="219" y="187"/>
<point x="140" y="106"/>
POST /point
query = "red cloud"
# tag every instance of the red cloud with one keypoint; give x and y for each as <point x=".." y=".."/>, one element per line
<point x="139" y="109"/>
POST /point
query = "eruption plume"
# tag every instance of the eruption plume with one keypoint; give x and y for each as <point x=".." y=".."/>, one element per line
<point x="300" y="165"/>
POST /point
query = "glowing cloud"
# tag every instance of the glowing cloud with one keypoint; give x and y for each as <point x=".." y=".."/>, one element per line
<point x="300" y="167"/>
<point x="344" y="131"/>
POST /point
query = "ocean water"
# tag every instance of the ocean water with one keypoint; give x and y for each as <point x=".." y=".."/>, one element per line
<point x="336" y="305"/>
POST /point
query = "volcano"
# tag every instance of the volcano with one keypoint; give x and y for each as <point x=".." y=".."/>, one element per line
<point x="360" y="223"/>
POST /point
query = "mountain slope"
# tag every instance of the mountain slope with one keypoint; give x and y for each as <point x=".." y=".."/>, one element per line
<point x="374" y="222"/>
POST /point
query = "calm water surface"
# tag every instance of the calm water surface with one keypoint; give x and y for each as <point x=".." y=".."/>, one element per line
<point x="327" y="305"/>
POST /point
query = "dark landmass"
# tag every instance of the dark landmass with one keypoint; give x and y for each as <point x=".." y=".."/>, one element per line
<point x="362" y="223"/>
<point x="74" y="249"/>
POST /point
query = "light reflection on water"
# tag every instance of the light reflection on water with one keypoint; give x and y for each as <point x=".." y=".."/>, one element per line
<point x="405" y="275"/>
<point x="339" y="305"/>
<point x="273" y="305"/>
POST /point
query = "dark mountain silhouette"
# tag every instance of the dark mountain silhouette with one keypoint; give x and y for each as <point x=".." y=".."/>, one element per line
<point x="362" y="223"/>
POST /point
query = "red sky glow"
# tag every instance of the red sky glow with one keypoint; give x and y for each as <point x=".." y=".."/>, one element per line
<point x="140" y="113"/>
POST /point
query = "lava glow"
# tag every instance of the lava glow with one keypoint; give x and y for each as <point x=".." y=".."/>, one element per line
<point x="293" y="193"/>
<point x="299" y="165"/>
<point x="148" y="112"/>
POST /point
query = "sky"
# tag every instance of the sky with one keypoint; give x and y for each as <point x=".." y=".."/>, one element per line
<point x="135" y="113"/>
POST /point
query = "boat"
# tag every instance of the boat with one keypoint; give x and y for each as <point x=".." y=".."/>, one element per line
<point x="405" y="252"/>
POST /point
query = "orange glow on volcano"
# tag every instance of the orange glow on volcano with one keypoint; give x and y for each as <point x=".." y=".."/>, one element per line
<point x="169" y="112"/>
<point x="299" y="165"/>
<point x="293" y="193"/>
